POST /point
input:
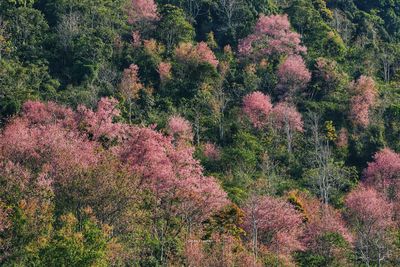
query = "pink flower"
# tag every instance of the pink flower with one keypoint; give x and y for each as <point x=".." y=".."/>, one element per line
<point x="293" y="75"/>
<point x="286" y="115"/>
<point x="164" y="69"/>
<point x="272" y="35"/>
<point x="257" y="107"/>
<point x="180" y="128"/>
<point x="364" y="97"/>
<point x="211" y="151"/>
<point x="142" y="10"/>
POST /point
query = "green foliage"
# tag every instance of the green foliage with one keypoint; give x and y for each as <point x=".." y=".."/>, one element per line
<point x="173" y="27"/>
<point x="19" y="83"/>
<point x="74" y="51"/>
<point x="73" y="247"/>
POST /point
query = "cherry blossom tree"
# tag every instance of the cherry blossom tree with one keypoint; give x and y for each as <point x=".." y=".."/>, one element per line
<point x="130" y="86"/>
<point x="180" y="129"/>
<point x="164" y="70"/>
<point x="272" y="35"/>
<point x="195" y="54"/>
<point x="257" y="108"/>
<point x="293" y="76"/>
<point x="288" y="119"/>
<point x="211" y="151"/>
<point x="383" y="173"/>
<point x="136" y="39"/>
<point x="273" y="223"/>
<point x="371" y="218"/>
<point x="320" y="219"/>
<point x="67" y="145"/>
<point x="100" y="123"/>
<point x="363" y="99"/>
<point x="142" y="11"/>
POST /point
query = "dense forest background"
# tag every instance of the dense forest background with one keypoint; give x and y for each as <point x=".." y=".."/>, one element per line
<point x="199" y="133"/>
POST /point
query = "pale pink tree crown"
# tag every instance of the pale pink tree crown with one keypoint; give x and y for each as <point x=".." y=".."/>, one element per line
<point x="272" y="35"/>
<point x="364" y="98"/>
<point x="142" y="10"/>
<point x="257" y="107"/>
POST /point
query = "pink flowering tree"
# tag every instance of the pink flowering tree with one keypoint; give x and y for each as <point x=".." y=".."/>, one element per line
<point x="273" y="223"/>
<point x="100" y="123"/>
<point x="164" y="70"/>
<point x="293" y="76"/>
<point x="383" y="173"/>
<point x="67" y="147"/>
<point x="136" y="39"/>
<point x="180" y="129"/>
<point x="371" y="218"/>
<point x="287" y="119"/>
<point x="140" y="11"/>
<point x="272" y="36"/>
<point x="211" y="151"/>
<point x="363" y="99"/>
<point x="195" y="54"/>
<point x="320" y="220"/>
<point x="130" y="86"/>
<point x="257" y="107"/>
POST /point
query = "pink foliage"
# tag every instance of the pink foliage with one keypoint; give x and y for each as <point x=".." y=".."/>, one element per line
<point x="257" y="107"/>
<point x="63" y="144"/>
<point x="180" y="128"/>
<point x="200" y="53"/>
<point x="278" y="224"/>
<point x="286" y="116"/>
<point x="164" y="70"/>
<point x="321" y="219"/>
<point x="384" y="172"/>
<point x="272" y="35"/>
<point x="364" y="97"/>
<point x="100" y="123"/>
<point x="142" y="10"/>
<point x="130" y="83"/>
<point x="366" y="209"/>
<point x="293" y="75"/>
<point x="40" y="137"/>
<point x="171" y="171"/>
<point x="136" y="39"/>
<point x="211" y="151"/>
<point x="206" y="54"/>
<point x="194" y="252"/>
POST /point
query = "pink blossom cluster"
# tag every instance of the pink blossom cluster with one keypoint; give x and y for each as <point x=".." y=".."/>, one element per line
<point x="364" y="97"/>
<point x="258" y="108"/>
<point x="272" y="35"/>
<point x="368" y="209"/>
<point x="286" y="115"/>
<point x="164" y="70"/>
<point x="142" y="10"/>
<point x="211" y="151"/>
<point x="199" y="53"/>
<point x="383" y="173"/>
<point x="64" y="145"/>
<point x="130" y="84"/>
<point x="180" y="128"/>
<point x="293" y="75"/>
<point x="277" y="223"/>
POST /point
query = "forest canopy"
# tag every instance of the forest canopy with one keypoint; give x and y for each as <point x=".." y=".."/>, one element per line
<point x="199" y="133"/>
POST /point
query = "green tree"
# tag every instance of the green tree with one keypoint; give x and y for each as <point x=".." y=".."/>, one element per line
<point x="173" y="27"/>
